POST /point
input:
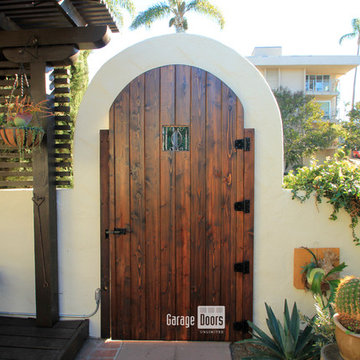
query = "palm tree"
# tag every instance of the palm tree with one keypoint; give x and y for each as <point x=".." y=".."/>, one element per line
<point x="116" y="5"/>
<point x="177" y="9"/>
<point x="355" y="34"/>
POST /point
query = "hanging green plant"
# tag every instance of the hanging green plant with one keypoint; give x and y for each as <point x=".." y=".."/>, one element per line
<point x="337" y="180"/>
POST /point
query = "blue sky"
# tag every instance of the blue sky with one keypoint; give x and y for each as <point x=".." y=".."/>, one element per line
<point x="307" y="27"/>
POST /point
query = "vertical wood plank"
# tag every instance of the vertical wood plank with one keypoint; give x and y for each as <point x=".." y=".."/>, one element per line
<point x="152" y="203"/>
<point x="213" y="189"/>
<point x="112" y="208"/>
<point x="249" y="174"/>
<point x="229" y="234"/>
<point x="182" y="199"/>
<point x="238" y="299"/>
<point x="104" y="224"/>
<point x="122" y="214"/>
<point x="198" y="194"/>
<point x="137" y="206"/>
<point x="167" y="205"/>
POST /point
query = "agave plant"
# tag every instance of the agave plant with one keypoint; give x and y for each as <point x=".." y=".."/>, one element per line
<point x="288" y="341"/>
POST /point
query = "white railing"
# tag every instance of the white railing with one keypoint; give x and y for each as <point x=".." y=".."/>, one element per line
<point x="315" y="86"/>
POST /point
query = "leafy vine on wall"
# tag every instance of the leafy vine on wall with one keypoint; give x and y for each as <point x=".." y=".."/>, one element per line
<point x="337" y="181"/>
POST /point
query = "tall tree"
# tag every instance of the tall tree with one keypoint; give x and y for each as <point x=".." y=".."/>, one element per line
<point x="177" y="10"/>
<point x="305" y="130"/>
<point x="354" y="34"/>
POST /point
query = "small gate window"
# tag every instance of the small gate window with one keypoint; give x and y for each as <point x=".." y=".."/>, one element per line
<point x="175" y="138"/>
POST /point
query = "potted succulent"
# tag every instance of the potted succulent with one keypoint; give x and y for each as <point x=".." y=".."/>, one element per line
<point x="17" y="127"/>
<point x="347" y="318"/>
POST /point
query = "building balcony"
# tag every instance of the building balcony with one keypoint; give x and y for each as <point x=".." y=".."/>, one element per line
<point x="320" y="85"/>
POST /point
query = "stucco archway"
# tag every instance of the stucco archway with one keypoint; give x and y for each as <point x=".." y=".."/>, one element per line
<point x="81" y="220"/>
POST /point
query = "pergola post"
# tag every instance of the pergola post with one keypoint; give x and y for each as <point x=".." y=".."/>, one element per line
<point x="47" y="46"/>
<point x="45" y="211"/>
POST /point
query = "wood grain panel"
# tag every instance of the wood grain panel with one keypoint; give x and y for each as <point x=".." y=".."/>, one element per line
<point x="239" y="255"/>
<point x="213" y="189"/>
<point x="167" y="205"/>
<point x="182" y="201"/>
<point x="228" y="218"/>
<point x="137" y="206"/>
<point x="122" y="211"/>
<point x="152" y="202"/>
<point x="249" y="173"/>
<point x="112" y="208"/>
<point x="179" y="205"/>
<point x="104" y="225"/>
<point x="198" y="193"/>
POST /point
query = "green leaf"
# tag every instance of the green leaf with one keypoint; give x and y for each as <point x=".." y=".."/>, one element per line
<point x="295" y="323"/>
<point x="336" y="269"/>
<point x="265" y="339"/>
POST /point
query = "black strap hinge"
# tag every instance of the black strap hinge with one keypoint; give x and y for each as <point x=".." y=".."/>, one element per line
<point x="241" y="326"/>
<point x="243" y="267"/>
<point x="242" y="206"/>
<point x="116" y="231"/>
<point x="243" y="144"/>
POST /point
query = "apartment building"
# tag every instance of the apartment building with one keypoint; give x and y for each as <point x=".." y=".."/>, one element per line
<point x="315" y="75"/>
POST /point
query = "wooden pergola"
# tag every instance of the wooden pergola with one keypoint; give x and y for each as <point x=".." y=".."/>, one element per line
<point x="39" y="34"/>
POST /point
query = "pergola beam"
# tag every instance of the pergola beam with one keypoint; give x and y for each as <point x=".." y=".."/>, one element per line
<point x="70" y="12"/>
<point x="89" y="37"/>
<point x="7" y="24"/>
<point x="45" y="54"/>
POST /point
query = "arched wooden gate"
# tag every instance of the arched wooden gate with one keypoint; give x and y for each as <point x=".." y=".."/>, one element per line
<point x="177" y="184"/>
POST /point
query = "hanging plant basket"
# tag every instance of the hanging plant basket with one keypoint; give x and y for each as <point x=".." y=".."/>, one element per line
<point x="23" y="137"/>
<point x="19" y="123"/>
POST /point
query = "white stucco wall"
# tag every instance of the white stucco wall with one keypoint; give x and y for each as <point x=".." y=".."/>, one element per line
<point x="281" y="224"/>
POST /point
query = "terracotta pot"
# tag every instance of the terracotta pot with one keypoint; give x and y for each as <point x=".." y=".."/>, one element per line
<point x="348" y="342"/>
<point x="22" y="138"/>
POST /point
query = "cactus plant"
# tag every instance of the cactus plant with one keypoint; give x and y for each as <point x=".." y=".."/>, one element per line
<point x="347" y="303"/>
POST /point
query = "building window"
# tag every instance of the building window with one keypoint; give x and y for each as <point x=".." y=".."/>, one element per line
<point x="175" y="138"/>
<point x="318" y="83"/>
<point x="326" y="108"/>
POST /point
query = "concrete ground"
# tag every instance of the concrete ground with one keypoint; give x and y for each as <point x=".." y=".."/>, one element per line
<point x="96" y="349"/>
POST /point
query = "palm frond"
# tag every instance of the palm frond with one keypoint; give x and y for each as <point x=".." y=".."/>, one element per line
<point x="171" y="22"/>
<point x="204" y="7"/>
<point x="115" y="7"/>
<point x="150" y="15"/>
<point x="128" y="5"/>
<point x="347" y="36"/>
<point x="355" y="23"/>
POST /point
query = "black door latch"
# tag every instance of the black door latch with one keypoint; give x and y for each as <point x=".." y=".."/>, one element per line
<point x="116" y="231"/>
